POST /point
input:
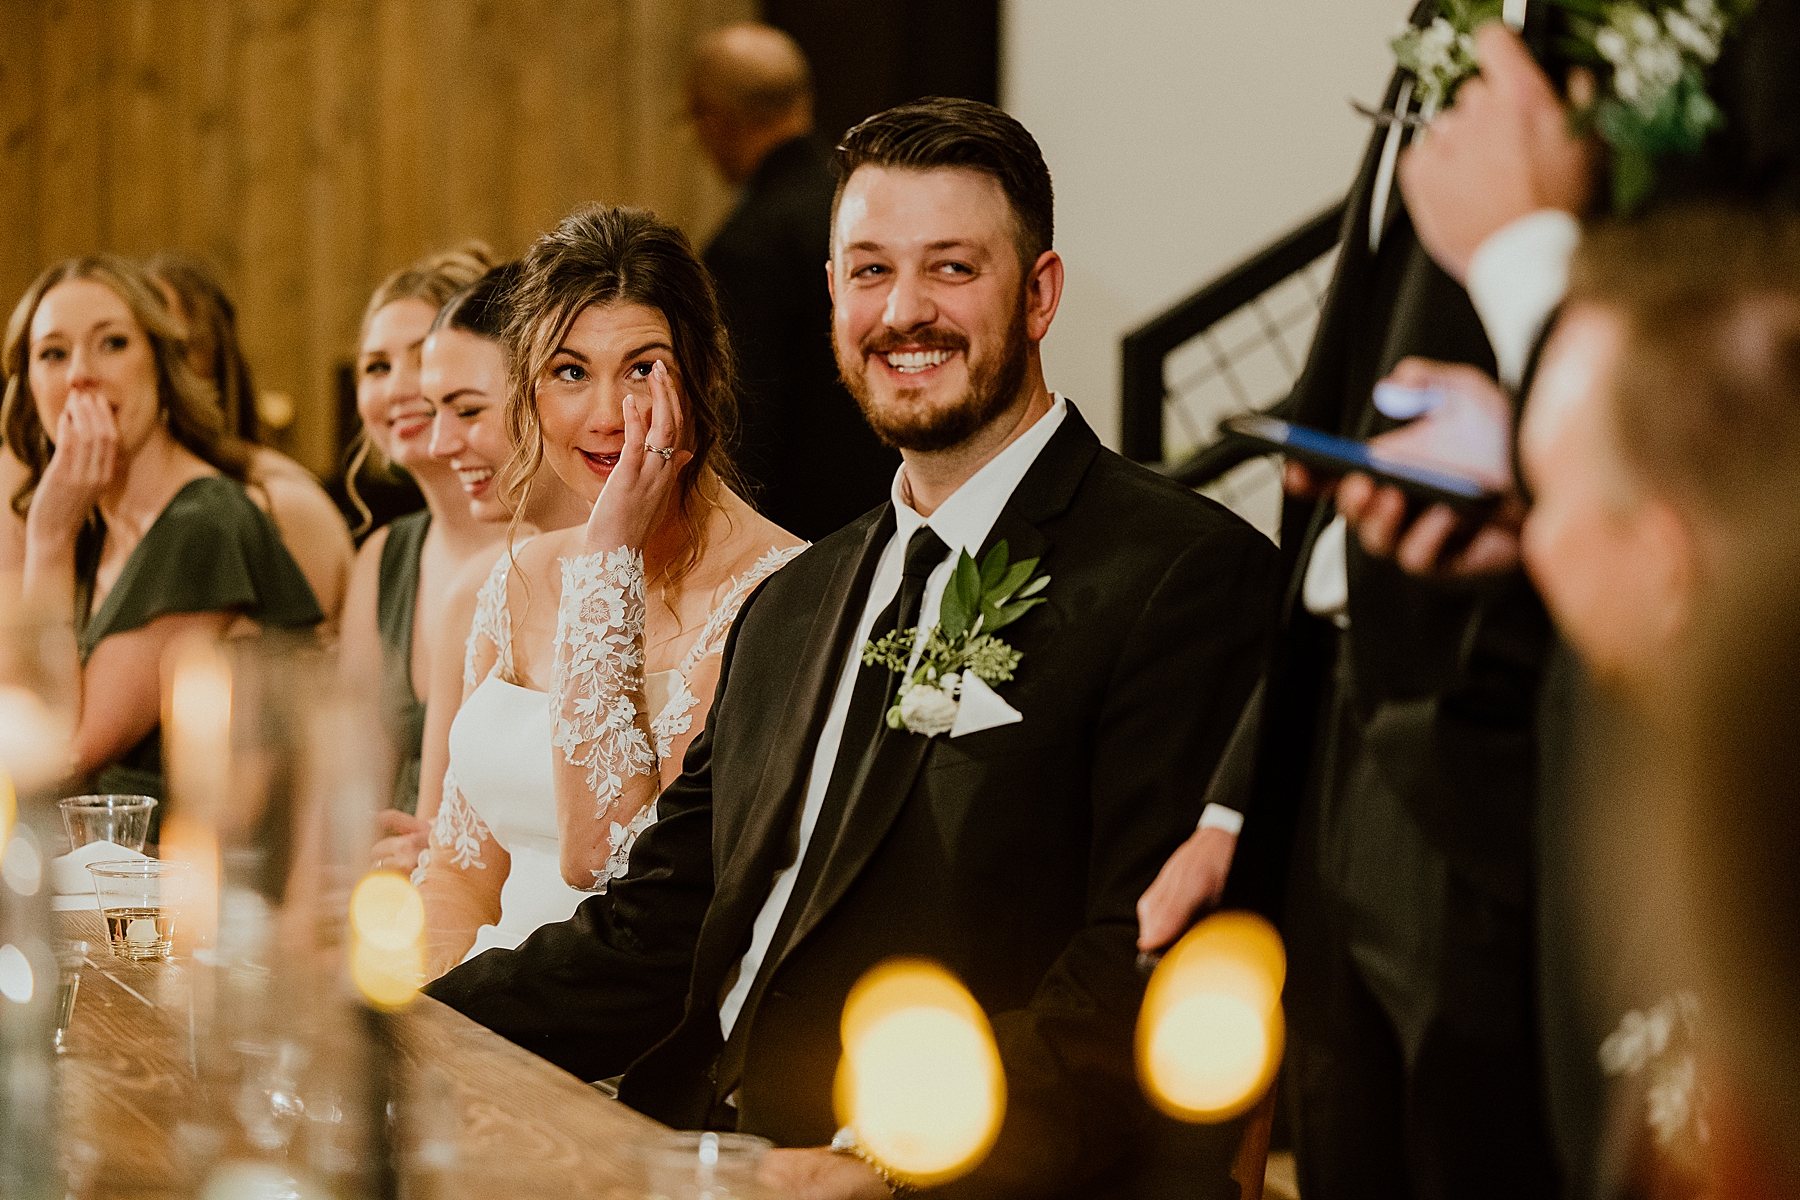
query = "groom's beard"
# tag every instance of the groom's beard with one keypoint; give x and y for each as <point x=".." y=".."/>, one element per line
<point x="993" y="385"/>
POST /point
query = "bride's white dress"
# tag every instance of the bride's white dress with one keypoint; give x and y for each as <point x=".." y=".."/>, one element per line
<point x="499" y="783"/>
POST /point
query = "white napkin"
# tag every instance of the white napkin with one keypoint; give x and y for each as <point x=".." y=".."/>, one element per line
<point x="981" y="708"/>
<point x="69" y="878"/>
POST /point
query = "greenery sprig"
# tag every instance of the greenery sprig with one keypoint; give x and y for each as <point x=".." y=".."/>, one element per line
<point x="978" y="602"/>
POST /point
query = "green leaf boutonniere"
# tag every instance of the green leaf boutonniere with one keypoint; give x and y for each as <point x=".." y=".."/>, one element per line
<point x="978" y="602"/>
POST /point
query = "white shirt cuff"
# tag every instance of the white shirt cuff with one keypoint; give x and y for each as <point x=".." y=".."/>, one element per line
<point x="1217" y="816"/>
<point x="1326" y="589"/>
<point x="1516" y="277"/>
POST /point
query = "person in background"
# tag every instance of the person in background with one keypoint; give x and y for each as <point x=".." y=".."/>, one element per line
<point x="591" y="653"/>
<point x="463" y="374"/>
<point x="404" y="569"/>
<point x="310" y="523"/>
<point x="137" y="523"/>
<point x="813" y="461"/>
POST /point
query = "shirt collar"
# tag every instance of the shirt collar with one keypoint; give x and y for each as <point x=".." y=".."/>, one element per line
<point x="964" y="519"/>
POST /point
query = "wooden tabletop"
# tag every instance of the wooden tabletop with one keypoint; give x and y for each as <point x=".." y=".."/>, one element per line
<point x="523" y="1127"/>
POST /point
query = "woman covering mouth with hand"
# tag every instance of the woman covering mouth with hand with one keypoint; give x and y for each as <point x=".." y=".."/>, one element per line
<point x="592" y="652"/>
<point x="405" y="568"/>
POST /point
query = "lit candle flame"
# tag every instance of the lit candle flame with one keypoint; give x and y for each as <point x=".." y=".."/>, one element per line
<point x="1210" y="1034"/>
<point x="921" y="1080"/>
<point x="387" y="934"/>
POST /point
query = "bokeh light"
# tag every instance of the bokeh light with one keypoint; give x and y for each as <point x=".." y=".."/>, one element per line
<point x="387" y="928"/>
<point x="1210" y="1034"/>
<point x="920" y="1080"/>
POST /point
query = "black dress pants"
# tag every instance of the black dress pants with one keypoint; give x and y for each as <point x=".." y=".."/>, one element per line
<point x="1413" y="1067"/>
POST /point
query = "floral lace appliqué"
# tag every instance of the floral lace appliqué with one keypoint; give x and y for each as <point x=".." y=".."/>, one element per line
<point x="459" y="829"/>
<point x="598" y="676"/>
<point x="676" y="718"/>
<point x="492" y="622"/>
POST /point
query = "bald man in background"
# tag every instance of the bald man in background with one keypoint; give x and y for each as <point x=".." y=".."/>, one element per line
<point x="816" y="465"/>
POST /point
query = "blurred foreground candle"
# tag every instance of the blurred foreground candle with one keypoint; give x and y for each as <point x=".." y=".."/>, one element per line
<point x="920" y="1081"/>
<point x="387" y="926"/>
<point x="197" y="741"/>
<point x="36" y="723"/>
<point x="1210" y="1034"/>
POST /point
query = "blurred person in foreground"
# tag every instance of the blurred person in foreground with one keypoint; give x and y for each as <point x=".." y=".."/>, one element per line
<point x="311" y="526"/>
<point x="1494" y="194"/>
<point x="1662" y="446"/>
<point x="814" y="462"/>
<point x="827" y="820"/>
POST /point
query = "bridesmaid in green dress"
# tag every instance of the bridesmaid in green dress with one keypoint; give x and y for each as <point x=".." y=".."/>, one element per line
<point x="398" y="582"/>
<point x="137" y="524"/>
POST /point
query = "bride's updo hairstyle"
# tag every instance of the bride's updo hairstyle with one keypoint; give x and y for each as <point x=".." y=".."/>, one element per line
<point x="606" y="255"/>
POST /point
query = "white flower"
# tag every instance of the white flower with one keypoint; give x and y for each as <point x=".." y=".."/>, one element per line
<point x="1670" y="1101"/>
<point x="929" y="710"/>
<point x="1691" y="35"/>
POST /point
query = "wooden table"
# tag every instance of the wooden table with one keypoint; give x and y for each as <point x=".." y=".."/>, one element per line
<point x="525" y="1128"/>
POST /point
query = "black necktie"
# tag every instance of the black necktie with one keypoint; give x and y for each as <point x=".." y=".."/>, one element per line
<point x="864" y="727"/>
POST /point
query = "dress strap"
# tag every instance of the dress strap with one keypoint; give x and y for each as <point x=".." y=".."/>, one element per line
<point x="718" y="622"/>
<point x="493" y="621"/>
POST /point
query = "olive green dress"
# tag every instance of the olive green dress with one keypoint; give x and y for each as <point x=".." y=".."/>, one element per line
<point x="396" y="599"/>
<point x="209" y="550"/>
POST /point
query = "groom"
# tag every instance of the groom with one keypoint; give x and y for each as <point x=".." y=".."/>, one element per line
<point x="808" y="840"/>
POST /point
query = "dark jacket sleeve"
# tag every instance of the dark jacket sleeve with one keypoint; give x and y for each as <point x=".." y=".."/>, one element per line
<point x="1177" y="691"/>
<point x="594" y="992"/>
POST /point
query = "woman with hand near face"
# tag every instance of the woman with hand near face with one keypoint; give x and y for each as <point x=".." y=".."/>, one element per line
<point x="463" y="376"/>
<point x="404" y="569"/>
<point x="137" y="525"/>
<point x="592" y="652"/>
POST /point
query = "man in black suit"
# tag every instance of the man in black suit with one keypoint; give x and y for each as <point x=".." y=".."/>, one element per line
<point x="808" y="840"/>
<point x="813" y="463"/>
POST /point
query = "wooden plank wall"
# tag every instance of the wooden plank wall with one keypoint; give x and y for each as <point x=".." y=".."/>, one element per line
<point x="306" y="148"/>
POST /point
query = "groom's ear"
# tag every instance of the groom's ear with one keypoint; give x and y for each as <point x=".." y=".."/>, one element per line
<point x="1043" y="293"/>
<point x="831" y="282"/>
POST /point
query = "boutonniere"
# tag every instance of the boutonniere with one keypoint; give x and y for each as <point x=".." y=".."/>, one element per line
<point x="1646" y="60"/>
<point x="960" y="658"/>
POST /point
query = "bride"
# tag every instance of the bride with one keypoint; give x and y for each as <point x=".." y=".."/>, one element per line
<point x="592" y="652"/>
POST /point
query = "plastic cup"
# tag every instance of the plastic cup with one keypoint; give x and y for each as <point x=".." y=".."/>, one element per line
<point x="702" y="1166"/>
<point x="121" y="820"/>
<point x="140" y="900"/>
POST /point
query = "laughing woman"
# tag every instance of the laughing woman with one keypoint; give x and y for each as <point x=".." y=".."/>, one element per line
<point x="404" y="569"/>
<point x="137" y="525"/>
<point x="592" y="652"/>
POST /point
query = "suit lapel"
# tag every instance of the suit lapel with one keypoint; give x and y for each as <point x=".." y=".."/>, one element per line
<point x="888" y="771"/>
<point x="744" y="875"/>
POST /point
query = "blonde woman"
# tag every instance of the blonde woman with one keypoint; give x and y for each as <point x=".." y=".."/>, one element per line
<point x="592" y="652"/>
<point x="403" y="571"/>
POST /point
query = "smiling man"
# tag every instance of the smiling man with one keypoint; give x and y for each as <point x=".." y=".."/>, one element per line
<point x="837" y="813"/>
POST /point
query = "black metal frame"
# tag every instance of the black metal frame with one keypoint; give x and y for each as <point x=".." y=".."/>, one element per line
<point x="1142" y="391"/>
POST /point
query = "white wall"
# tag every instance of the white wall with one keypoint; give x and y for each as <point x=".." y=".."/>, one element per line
<point x="1182" y="135"/>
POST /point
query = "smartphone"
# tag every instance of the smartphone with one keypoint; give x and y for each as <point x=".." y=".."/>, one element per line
<point x="1339" y="456"/>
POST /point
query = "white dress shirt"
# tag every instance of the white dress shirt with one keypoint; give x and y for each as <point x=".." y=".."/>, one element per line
<point x="963" y="522"/>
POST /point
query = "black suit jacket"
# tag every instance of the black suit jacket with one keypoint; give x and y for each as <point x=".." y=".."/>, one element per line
<point x="1013" y="856"/>
<point x="813" y="462"/>
<point x="1444" y="676"/>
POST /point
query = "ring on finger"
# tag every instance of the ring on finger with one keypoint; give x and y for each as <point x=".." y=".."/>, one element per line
<point x="667" y="452"/>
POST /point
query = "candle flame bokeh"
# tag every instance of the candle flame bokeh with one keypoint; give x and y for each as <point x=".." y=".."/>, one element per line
<point x="1210" y="1034"/>
<point x="920" y="1080"/>
<point x="387" y="933"/>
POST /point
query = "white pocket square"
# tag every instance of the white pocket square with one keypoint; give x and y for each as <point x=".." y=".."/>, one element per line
<point x="981" y="708"/>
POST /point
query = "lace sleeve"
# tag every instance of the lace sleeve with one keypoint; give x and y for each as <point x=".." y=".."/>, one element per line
<point x="492" y="623"/>
<point x="597" y="688"/>
<point x="458" y="831"/>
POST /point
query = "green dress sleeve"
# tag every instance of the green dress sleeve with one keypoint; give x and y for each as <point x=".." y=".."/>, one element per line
<point x="209" y="550"/>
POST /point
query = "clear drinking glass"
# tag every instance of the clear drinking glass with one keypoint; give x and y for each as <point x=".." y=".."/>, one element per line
<point x="702" y="1166"/>
<point x="121" y="820"/>
<point x="69" y="957"/>
<point x="140" y="900"/>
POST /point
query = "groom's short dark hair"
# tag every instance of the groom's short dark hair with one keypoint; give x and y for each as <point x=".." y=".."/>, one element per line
<point x="940" y="131"/>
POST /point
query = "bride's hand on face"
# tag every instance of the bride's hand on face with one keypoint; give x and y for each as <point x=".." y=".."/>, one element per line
<point x="80" y="468"/>
<point x="638" y="491"/>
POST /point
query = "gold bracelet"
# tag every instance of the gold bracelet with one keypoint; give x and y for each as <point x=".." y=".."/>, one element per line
<point x="845" y="1141"/>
